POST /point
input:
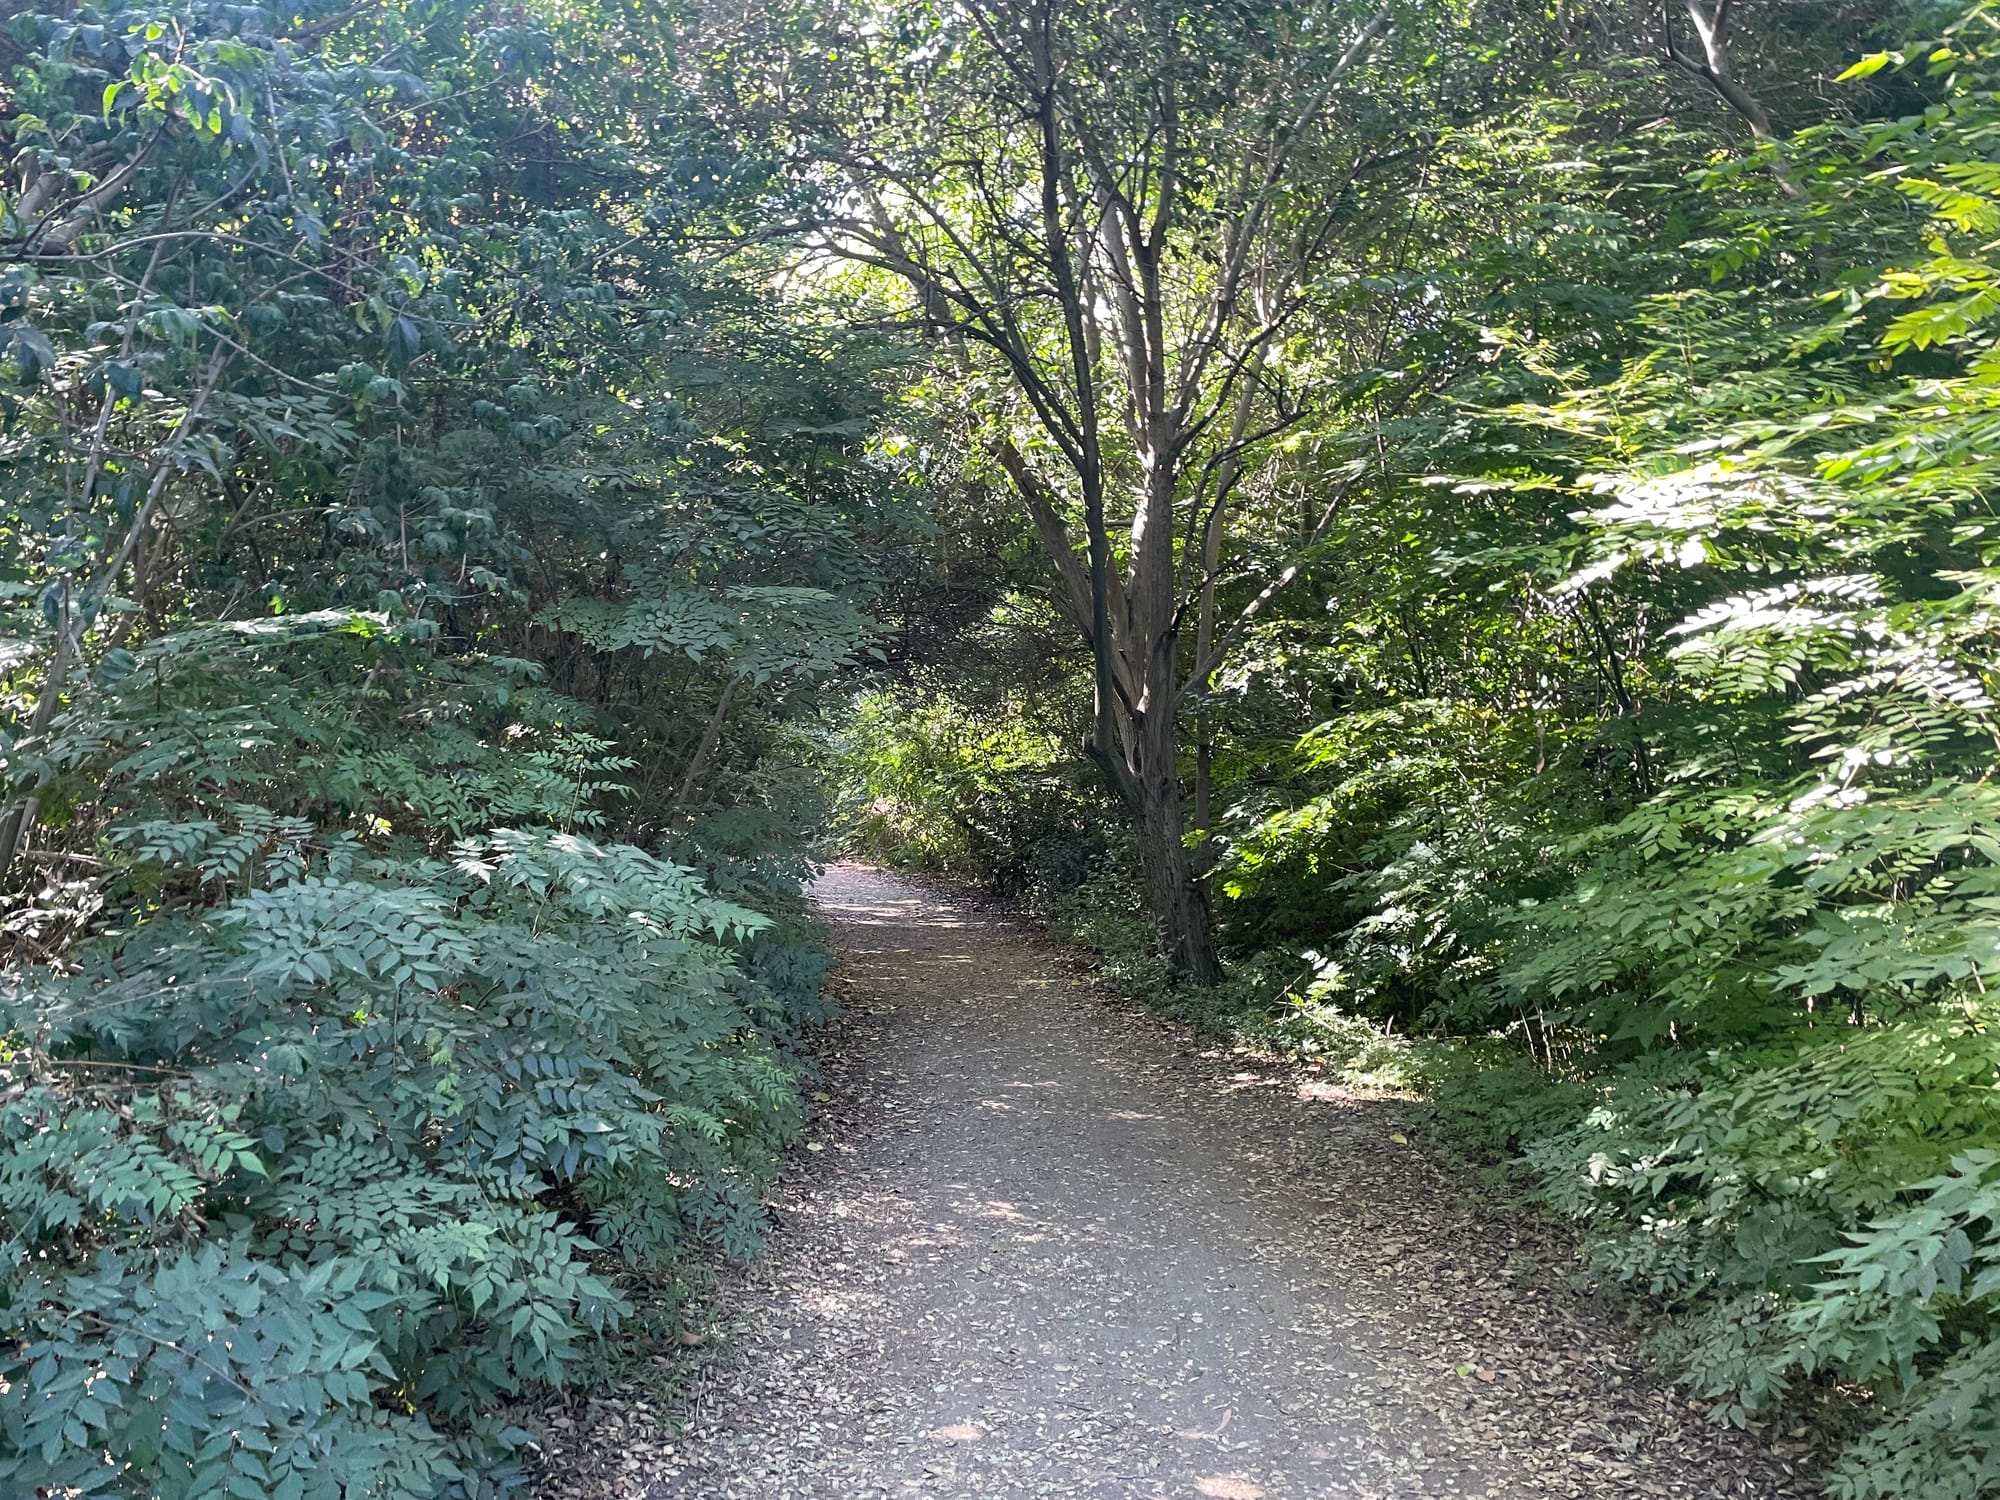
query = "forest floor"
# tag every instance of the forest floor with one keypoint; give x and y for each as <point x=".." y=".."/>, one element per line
<point x="1045" y="1243"/>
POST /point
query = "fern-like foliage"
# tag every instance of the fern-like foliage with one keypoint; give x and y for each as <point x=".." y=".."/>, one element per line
<point x="280" y="1153"/>
<point x="416" y="571"/>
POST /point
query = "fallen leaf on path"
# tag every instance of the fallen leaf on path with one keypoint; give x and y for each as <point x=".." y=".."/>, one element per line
<point x="1402" y="1261"/>
<point x="1196" y="1432"/>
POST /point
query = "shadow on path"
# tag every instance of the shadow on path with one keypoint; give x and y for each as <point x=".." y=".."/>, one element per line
<point x="1053" y="1246"/>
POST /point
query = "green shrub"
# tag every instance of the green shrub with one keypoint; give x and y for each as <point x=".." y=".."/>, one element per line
<point x="308" y="1157"/>
<point x="988" y="793"/>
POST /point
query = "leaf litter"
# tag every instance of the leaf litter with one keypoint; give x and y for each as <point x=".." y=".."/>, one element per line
<point x="1053" y="1245"/>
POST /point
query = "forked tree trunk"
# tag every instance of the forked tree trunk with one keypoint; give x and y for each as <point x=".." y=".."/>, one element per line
<point x="1174" y="892"/>
<point x="1143" y="770"/>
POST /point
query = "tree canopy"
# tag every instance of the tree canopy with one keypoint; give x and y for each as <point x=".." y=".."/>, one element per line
<point x="1448" y="530"/>
<point x="420" y="545"/>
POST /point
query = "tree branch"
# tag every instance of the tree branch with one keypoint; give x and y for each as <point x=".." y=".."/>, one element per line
<point x="1713" y="68"/>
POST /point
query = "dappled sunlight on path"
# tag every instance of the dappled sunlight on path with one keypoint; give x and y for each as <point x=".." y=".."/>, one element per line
<point x="1052" y="1246"/>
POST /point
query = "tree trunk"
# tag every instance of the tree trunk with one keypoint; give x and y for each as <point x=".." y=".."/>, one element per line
<point x="1143" y="769"/>
<point x="1174" y="893"/>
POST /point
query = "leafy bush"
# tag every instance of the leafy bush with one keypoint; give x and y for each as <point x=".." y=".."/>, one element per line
<point x="308" y="1157"/>
<point x="1749" y="984"/>
<point x="957" y="787"/>
<point x="415" y="572"/>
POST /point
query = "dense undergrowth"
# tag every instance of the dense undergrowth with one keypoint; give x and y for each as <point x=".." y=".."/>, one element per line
<point x="308" y="1156"/>
<point x="456" y="460"/>
<point x="1647" y="826"/>
<point x="419" y="568"/>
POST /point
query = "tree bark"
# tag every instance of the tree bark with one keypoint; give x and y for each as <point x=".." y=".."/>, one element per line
<point x="711" y="736"/>
<point x="1175" y="894"/>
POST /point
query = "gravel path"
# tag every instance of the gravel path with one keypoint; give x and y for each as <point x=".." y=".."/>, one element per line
<point x="1048" y="1245"/>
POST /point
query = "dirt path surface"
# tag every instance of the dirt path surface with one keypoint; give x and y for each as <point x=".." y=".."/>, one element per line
<point x="1052" y="1246"/>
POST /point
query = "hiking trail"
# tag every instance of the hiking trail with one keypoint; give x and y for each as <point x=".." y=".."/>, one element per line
<point x="1048" y="1244"/>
